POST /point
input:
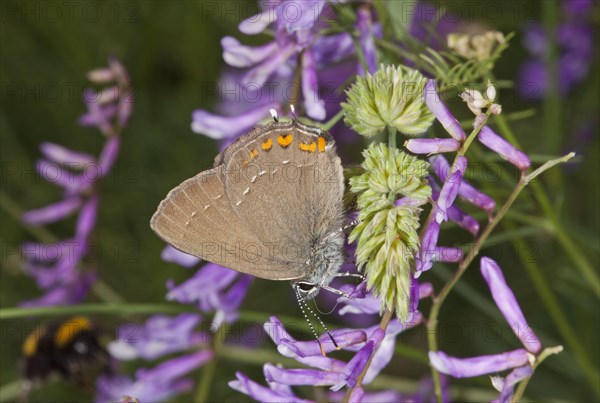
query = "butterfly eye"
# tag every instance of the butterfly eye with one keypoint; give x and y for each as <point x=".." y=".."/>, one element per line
<point x="305" y="287"/>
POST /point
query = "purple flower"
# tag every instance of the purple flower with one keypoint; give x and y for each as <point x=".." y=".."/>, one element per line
<point x="62" y="155"/>
<point x="506" y="150"/>
<point x="160" y="335"/>
<point x="455" y="214"/>
<point x="475" y="366"/>
<point x="274" y="393"/>
<point x="575" y="43"/>
<point x="507" y="303"/>
<point x="152" y="385"/>
<point x="170" y="254"/>
<point x="364" y="23"/>
<point x="450" y="189"/>
<point x="424" y="258"/>
<point x="369" y="344"/>
<point x="506" y="386"/>
<point x="53" y="212"/>
<point x="466" y="191"/>
<point x="432" y="146"/>
<point x="68" y="293"/>
<point x="441" y="112"/>
<point x="220" y="127"/>
<point x="521" y="361"/>
<point x="213" y="288"/>
<point x="77" y="173"/>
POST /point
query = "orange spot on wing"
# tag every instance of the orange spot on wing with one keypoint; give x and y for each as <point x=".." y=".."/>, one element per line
<point x="322" y="143"/>
<point x="285" y="140"/>
<point x="266" y="145"/>
<point x="253" y="154"/>
<point x="311" y="147"/>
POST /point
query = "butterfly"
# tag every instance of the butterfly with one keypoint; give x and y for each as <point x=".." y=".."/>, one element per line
<point x="271" y="207"/>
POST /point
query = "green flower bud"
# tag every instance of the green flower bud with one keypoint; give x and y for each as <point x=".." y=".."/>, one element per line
<point x="387" y="235"/>
<point x="392" y="97"/>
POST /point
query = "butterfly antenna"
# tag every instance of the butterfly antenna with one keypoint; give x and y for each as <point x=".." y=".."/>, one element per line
<point x="324" y="327"/>
<point x="312" y="329"/>
<point x="274" y="115"/>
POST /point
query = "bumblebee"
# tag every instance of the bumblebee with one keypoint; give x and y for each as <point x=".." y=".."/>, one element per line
<point x="70" y="348"/>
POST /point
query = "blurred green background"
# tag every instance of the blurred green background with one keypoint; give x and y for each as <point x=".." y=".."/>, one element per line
<point x="173" y="54"/>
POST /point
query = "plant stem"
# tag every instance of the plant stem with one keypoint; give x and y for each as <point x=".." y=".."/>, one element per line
<point x="208" y="373"/>
<point x="86" y="309"/>
<point x="331" y="122"/>
<point x="385" y="321"/>
<point x="391" y="136"/>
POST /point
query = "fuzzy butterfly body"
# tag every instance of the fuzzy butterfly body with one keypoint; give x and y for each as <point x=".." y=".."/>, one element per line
<point x="271" y="207"/>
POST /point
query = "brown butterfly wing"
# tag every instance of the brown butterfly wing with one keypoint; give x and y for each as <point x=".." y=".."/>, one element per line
<point x="285" y="182"/>
<point x="196" y="218"/>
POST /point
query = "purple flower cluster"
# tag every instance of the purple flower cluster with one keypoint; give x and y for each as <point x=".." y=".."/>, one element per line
<point x="372" y="346"/>
<point x="57" y="267"/>
<point x="158" y="337"/>
<point x="453" y="183"/>
<point x="519" y="361"/>
<point x="212" y="287"/>
<point x="262" y="77"/>
<point x="574" y="38"/>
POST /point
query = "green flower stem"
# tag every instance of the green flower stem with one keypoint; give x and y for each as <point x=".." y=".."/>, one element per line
<point x="89" y="309"/>
<point x="391" y="136"/>
<point x="331" y="122"/>
<point x="523" y="384"/>
<point x="468" y="259"/>
<point x="472" y="137"/>
<point x="582" y="264"/>
<point x="207" y="374"/>
<point x="385" y="321"/>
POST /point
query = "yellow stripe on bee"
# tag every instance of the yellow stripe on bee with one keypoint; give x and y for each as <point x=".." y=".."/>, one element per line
<point x="285" y="140"/>
<point x="311" y="147"/>
<point x="322" y="143"/>
<point x="68" y="330"/>
<point x="31" y="342"/>
<point x="266" y="145"/>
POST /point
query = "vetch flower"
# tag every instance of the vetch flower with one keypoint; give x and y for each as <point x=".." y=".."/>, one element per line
<point x="506" y="150"/>
<point x="455" y="214"/>
<point x="153" y="385"/>
<point x="60" y="274"/>
<point x="507" y="303"/>
<point x="371" y="343"/>
<point x="160" y="335"/>
<point x="392" y="97"/>
<point x="466" y="191"/>
<point x="522" y="361"/>
<point x="441" y="112"/>
<point x="432" y="146"/>
<point x="386" y="235"/>
<point x="364" y="23"/>
<point x="475" y="366"/>
<point x="213" y="288"/>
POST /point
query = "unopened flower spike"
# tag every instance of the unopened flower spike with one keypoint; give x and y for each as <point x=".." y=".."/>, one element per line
<point x="390" y="98"/>
<point x="386" y="237"/>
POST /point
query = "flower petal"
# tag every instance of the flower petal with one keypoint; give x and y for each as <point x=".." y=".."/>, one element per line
<point x="475" y="366"/>
<point x="441" y="112"/>
<point x="507" y="303"/>
<point x="53" y="212"/>
<point x="506" y="150"/>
